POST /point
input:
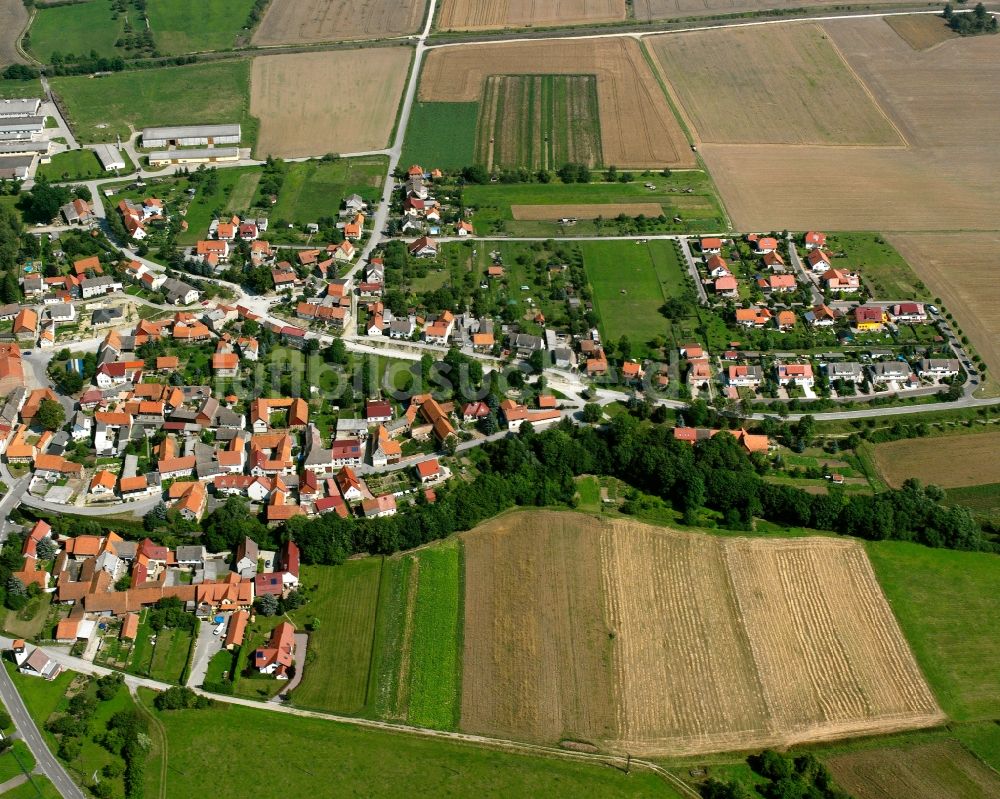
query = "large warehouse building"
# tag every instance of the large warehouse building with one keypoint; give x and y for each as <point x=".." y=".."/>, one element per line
<point x="191" y="136"/>
<point x="20" y="108"/>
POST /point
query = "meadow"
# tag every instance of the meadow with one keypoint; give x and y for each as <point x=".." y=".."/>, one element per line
<point x="11" y="89"/>
<point x="951" y="462"/>
<point x="101" y="108"/>
<point x="441" y="135"/>
<point x="883" y="270"/>
<point x="192" y="26"/>
<point x="630" y="283"/>
<point x="539" y="122"/>
<point x="364" y="762"/>
<point x="982" y="499"/>
<point x="344" y="598"/>
<point x="76" y="29"/>
<point x="71" y="164"/>
<point x="315" y="189"/>
<point x="947" y="604"/>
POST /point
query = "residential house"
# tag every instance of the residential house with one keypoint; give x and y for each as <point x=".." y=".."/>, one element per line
<point x="278" y="655"/>
<point x="799" y="374"/>
<point x="424" y="247"/>
<point x="891" y="371"/>
<point x="912" y="313"/>
<point x="379" y="507"/>
<point x="841" y="280"/>
<point x="814" y="240"/>
<point x="939" y="368"/>
<point x="869" y="318"/>
<point x="848" y="371"/>
<point x="745" y="375"/>
<point x="820" y="316"/>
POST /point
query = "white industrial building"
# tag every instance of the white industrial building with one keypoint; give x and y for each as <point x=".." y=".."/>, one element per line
<point x="209" y="155"/>
<point x="25" y="107"/>
<point x="109" y="156"/>
<point x="22" y="126"/>
<point x="191" y="136"/>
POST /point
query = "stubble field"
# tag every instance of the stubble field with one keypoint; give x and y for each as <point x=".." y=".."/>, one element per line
<point x="921" y="31"/>
<point x="943" y="770"/>
<point x="945" y="102"/>
<point x="960" y="269"/>
<point x="302" y="107"/>
<point x="646" y="10"/>
<point x="949" y="461"/>
<point x="495" y="14"/>
<point x="539" y="122"/>
<point x="13" y="18"/>
<point x="743" y="94"/>
<point x="803" y="646"/>
<point x="638" y="129"/>
<point x="309" y="21"/>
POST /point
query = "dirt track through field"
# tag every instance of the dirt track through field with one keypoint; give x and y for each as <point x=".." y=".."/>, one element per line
<point x="638" y="129"/>
<point x="13" y="18"/>
<point x="494" y="14"/>
<point x="950" y="461"/>
<point x="946" y="103"/>
<point x="659" y="643"/>
<point x="308" y="21"/>
<point x="583" y="211"/>
<point x="305" y="108"/>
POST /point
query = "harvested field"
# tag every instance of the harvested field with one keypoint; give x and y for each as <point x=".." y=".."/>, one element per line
<point x="646" y="10"/>
<point x="471" y="15"/>
<point x="743" y="94"/>
<point x="597" y="631"/>
<point x="303" y="113"/>
<point x="539" y="122"/>
<point x="943" y="770"/>
<point x="943" y="179"/>
<point x="309" y="21"/>
<point x="921" y="31"/>
<point x="960" y="268"/>
<point x="582" y="211"/>
<point x="13" y="18"/>
<point x="949" y="461"/>
<point x="537" y="646"/>
<point x="638" y="129"/>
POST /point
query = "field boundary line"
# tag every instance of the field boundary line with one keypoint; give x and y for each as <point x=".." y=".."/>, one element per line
<point x="371" y="649"/>
<point x="864" y="86"/>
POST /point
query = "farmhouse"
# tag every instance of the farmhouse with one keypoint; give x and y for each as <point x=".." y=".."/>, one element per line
<point x="191" y="136"/>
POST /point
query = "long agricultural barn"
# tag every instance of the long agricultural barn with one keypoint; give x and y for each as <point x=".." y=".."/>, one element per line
<point x="21" y="147"/>
<point x="20" y="108"/>
<point x="16" y="166"/>
<point x="22" y="125"/>
<point x="191" y="136"/>
<point x="206" y="156"/>
<point x="109" y="156"/>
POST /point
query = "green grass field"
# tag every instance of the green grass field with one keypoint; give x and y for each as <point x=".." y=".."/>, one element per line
<point x="360" y="762"/>
<point x="76" y="29"/>
<point x="101" y="108"/>
<point x="70" y="165"/>
<point x="12" y="89"/>
<point x="949" y="608"/>
<point x="983" y="499"/>
<point x="38" y="787"/>
<point x="388" y="696"/>
<point x="435" y="659"/>
<point x="191" y="26"/>
<point x="315" y="189"/>
<point x="699" y="209"/>
<point x="16" y="761"/>
<point x="441" y="135"/>
<point x="345" y="602"/>
<point x="170" y="655"/>
<point x="539" y="122"/>
<point x="630" y="282"/>
<point x="883" y="270"/>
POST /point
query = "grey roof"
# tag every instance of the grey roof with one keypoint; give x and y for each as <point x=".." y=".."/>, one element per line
<point x="20" y="107"/>
<point x="188" y="554"/>
<point x="20" y="146"/>
<point x="523" y="341"/>
<point x="191" y="132"/>
<point x="201" y="152"/>
<point x="176" y="289"/>
<point x="126" y="549"/>
<point x="103" y="280"/>
<point x="109" y="155"/>
<point x="401" y="326"/>
<point x="939" y="363"/>
<point x="28" y="122"/>
<point x="846" y="369"/>
<point x="891" y="368"/>
<point x="226" y="417"/>
<point x="60" y="309"/>
<point x="103" y="316"/>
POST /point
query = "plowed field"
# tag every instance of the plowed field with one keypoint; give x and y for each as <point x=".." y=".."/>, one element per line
<point x="638" y="129"/>
<point x="303" y="111"/>
<point x="945" y="176"/>
<point x="304" y="21"/>
<point x="470" y="15"/>
<point x="664" y="643"/>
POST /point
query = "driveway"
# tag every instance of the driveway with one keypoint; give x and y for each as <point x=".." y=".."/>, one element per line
<point x="207" y="646"/>
<point x="301" y="645"/>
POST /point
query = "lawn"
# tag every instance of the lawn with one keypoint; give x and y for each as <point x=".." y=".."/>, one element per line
<point x="435" y="662"/>
<point x="191" y="26"/>
<point x="76" y="29"/>
<point x="589" y="490"/>
<point x="388" y="694"/>
<point x="883" y="270"/>
<point x="15" y="761"/>
<point x="630" y="283"/>
<point x="170" y="655"/>
<point x="15" y="89"/>
<point x="361" y="762"/>
<point x="29" y="621"/>
<point x="101" y="108"/>
<point x="71" y="165"/>
<point x="949" y="608"/>
<point x="315" y="189"/>
<point x="688" y="195"/>
<point x="441" y="135"/>
<point x="38" y="787"/>
<point x="345" y="599"/>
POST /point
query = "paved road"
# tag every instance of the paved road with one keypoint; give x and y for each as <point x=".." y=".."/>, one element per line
<point x="798" y="266"/>
<point x="47" y="764"/>
<point x="207" y="645"/>
<point x="692" y="268"/>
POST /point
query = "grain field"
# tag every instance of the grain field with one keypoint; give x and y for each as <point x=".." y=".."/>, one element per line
<point x="13" y="18"/>
<point x="537" y="650"/>
<point x="473" y="15"/>
<point x="304" y="110"/>
<point x="949" y="461"/>
<point x="778" y="84"/>
<point x="310" y="21"/>
<point x="921" y="31"/>
<point x="638" y="129"/>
